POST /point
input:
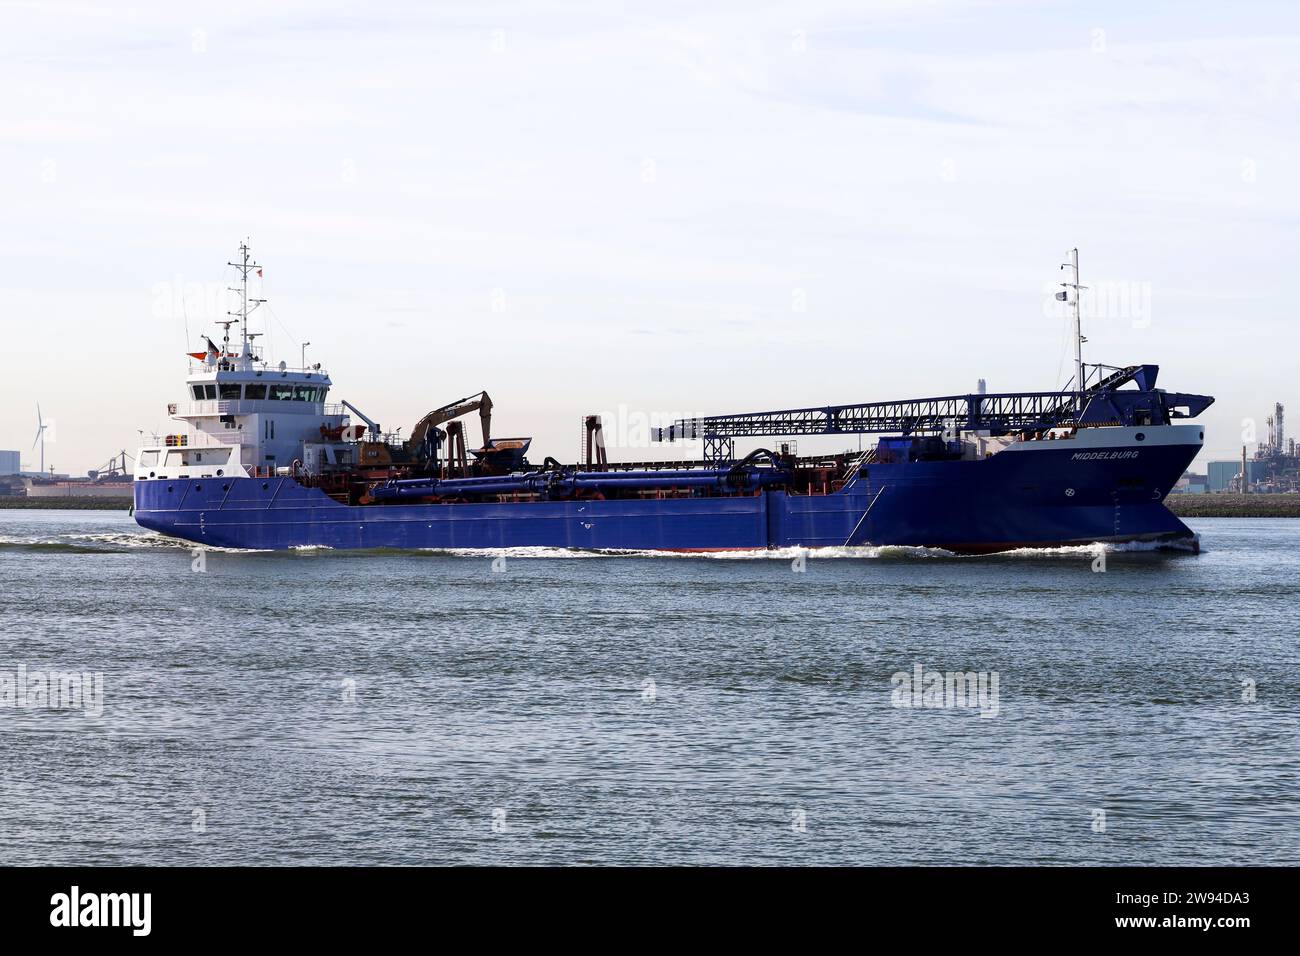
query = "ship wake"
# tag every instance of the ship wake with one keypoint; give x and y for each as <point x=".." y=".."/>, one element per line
<point x="147" y="540"/>
<point x="854" y="553"/>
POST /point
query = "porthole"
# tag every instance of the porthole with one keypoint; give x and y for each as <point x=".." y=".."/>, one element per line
<point x="1140" y="436"/>
<point x="198" y="487"/>
<point x="265" y="486"/>
<point x="169" y="488"/>
<point x="220" y="472"/>
<point x="225" y="487"/>
<point x="151" y="474"/>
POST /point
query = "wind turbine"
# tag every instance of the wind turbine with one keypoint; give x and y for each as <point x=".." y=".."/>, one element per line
<point x="40" y="435"/>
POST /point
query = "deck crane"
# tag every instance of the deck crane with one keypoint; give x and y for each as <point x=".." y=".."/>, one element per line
<point x="371" y="425"/>
<point x="426" y="437"/>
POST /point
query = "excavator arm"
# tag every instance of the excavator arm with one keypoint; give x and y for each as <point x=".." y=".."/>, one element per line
<point x="463" y="406"/>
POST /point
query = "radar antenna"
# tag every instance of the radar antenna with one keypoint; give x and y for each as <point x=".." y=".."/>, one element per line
<point x="225" y="324"/>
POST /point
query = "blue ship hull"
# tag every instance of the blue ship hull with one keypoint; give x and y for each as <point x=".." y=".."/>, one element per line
<point x="1043" y="498"/>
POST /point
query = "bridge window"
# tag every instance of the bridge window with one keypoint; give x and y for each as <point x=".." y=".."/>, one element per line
<point x="281" y="392"/>
<point x="230" y="390"/>
<point x="303" y="393"/>
<point x="255" y="392"/>
<point x="209" y="391"/>
<point x="197" y="392"/>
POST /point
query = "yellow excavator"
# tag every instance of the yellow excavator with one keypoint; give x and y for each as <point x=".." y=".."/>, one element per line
<point x="427" y="438"/>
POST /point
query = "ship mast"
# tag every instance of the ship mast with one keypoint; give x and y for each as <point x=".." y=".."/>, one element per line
<point x="1079" y="338"/>
<point x="244" y="302"/>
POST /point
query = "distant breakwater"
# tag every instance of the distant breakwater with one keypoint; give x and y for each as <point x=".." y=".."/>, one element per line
<point x="66" y="503"/>
<point x="1234" y="506"/>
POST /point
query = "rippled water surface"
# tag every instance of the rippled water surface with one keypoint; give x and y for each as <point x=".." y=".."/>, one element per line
<point x="420" y="707"/>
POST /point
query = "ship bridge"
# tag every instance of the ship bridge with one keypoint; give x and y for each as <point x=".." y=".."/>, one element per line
<point x="242" y="415"/>
<point x="268" y="412"/>
<point x="289" y="385"/>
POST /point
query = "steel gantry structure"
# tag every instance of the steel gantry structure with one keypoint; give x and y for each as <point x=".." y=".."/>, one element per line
<point x="1102" y="403"/>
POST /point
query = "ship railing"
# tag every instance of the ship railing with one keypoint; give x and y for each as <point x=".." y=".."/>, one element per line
<point x="234" y="363"/>
<point x="1007" y="411"/>
<point x="199" y="440"/>
<point x="237" y="406"/>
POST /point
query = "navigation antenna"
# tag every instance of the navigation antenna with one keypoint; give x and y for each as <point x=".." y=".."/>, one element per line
<point x="225" y="338"/>
<point x="1079" y="339"/>
<point x="246" y="305"/>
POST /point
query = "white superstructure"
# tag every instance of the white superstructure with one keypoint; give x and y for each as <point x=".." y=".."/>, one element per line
<point x="245" y="418"/>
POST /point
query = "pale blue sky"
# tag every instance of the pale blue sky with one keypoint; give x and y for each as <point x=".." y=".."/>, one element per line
<point x="678" y="208"/>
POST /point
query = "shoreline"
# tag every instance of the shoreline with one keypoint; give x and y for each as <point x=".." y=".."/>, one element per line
<point x="1225" y="505"/>
<point x="21" y="502"/>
